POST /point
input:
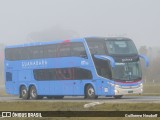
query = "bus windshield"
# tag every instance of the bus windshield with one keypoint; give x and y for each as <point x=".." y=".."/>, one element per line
<point x="112" y="47"/>
<point x="121" y="47"/>
<point x="126" y="71"/>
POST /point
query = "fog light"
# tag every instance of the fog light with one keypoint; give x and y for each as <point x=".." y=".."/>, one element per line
<point x="141" y="85"/>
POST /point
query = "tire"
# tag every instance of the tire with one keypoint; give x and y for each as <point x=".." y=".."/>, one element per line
<point x="118" y="96"/>
<point x="24" y="93"/>
<point x="33" y="93"/>
<point x="90" y="92"/>
<point x="58" y="97"/>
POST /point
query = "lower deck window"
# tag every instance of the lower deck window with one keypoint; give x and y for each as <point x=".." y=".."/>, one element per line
<point x="8" y="76"/>
<point x="62" y="74"/>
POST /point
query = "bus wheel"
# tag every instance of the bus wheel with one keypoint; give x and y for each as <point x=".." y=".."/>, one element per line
<point x="24" y="93"/>
<point x="118" y="96"/>
<point x="33" y="93"/>
<point x="58" y="97"/>
<point x="90" y="92"/>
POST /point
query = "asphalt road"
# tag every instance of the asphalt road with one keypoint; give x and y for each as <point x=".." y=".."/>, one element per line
<point x="124" y="99"/>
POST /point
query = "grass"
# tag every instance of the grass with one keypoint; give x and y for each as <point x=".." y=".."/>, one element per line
<point x="75" y="106"/>
<point x="3" y="93"/>
<point x="78" y="106"/>
<point x="152" y="88"/>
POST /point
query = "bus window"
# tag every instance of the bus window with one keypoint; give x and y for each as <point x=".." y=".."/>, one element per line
<point x="64" y="51"/>
<point x="65" y="73"/>
<point x="44" y="74"/>
<point x="82" y="74"/>
<point x="62" y="74"/>
<point x="36" y="52"/>
<point x="8" y="76"/>
<point x="50" y="51"/>
<point x="78" y="50"/>
<point x="97" y="47"/>
<point x="103" y="68"/>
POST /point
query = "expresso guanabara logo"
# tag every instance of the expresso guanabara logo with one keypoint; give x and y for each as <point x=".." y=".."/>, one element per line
<point x="34" y="63"/>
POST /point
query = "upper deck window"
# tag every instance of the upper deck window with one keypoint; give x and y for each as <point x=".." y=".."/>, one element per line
<point x="71" y="49"/>
<point x="46" y="51"/>
<point x="78" y="50"/>
<point x="97" y="47"/>
<point x="50" y="51"/>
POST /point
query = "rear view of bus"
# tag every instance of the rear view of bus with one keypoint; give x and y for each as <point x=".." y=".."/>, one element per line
<point x="117" y="63"/>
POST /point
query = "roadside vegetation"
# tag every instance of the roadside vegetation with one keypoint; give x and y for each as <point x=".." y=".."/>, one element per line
<point x="78" y="106"/>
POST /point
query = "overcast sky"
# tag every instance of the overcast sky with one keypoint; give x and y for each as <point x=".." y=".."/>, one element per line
<point x="136" y="19"/>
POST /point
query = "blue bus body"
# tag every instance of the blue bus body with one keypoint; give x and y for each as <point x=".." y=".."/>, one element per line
<point x="60" y="72"/>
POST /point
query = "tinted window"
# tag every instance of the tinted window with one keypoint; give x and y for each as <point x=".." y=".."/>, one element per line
<point x="8" y="76"/>
<point x="24" y="53"/>
<point x="82" y="74"/>
<point x="65" y="74"/>
<point x="36" y="52"/>
<point x="64" y="50"/>
<point x="44" y="74"/>
<point x="97" y="47"/>
<point x="78" y="50"/>
<point x="50" y="51"/>
<point x="62" y="74"/>
<point x="103" y="68"/>
<point x="46" y="51"/>
<point x="11" y="54"/>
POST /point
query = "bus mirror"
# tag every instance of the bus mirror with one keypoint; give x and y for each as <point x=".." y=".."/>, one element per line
<point x="145" y="59"/>
<point x="104" y="57"/>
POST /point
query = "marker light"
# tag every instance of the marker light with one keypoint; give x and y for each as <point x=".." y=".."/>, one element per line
<point x="66" y="41"/>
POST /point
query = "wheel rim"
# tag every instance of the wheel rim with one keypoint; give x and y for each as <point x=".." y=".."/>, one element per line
<point x="33" y="93"/>
<point x="90" y="91"/>
<point x="24" y="92"/>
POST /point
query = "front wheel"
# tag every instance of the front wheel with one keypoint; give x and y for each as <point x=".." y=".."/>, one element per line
<point x="90" y="92"/>
<point x="118" y="96"/>
<point x="33" y="93"/>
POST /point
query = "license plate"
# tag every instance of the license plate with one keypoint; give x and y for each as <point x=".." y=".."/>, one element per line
<point x="130" y="91"/>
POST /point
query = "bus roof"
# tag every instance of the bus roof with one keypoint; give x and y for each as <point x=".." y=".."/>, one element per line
<point x="45" y="43"/>
<point x="68" y="40"/>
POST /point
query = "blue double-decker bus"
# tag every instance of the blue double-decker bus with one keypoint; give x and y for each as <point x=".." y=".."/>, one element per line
<point x="89" y="67"/>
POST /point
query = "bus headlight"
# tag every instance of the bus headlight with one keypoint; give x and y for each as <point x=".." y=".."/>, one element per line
<point x="141" y="85"/>
<point x="117" y="86"/>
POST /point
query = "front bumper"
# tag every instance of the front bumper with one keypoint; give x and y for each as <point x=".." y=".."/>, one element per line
<point x="128" y="90"/>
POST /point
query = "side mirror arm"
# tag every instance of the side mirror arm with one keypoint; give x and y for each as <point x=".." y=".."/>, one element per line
<point x="111" y="59"/>
<point x="145" y="59"/>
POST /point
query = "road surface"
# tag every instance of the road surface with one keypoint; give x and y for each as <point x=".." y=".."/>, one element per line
<point x="124" y="99"/>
